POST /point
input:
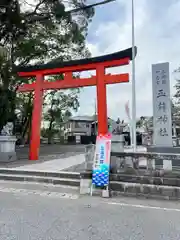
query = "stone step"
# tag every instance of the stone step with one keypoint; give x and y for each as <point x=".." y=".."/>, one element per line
<point x="40" y="179"/>
<point x="62" y="174"/>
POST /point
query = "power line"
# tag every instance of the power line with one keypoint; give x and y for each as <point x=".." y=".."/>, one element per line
<point x="82" y="8"/>
<point x="90" y="6"/>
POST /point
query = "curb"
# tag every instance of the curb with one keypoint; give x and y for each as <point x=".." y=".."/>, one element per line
<point x="56" y="178"/>
<point x="48" y="180"/>
<point x="63" y="174"/>
<point x="83" y="180"/>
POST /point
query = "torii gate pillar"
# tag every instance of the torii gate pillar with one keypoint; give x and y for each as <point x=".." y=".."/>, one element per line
<point x="101" y="101"/>
<point x="36" y="119"/>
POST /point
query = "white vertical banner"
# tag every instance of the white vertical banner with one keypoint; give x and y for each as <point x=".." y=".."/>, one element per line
<point x="130" y="120"/>
<point x="127" y="110"/>
<point x="101" y="165"/>
<point x="162" y="122"/>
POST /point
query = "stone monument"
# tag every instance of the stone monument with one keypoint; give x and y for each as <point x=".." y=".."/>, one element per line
<point x="162" y="120"/>
<point x="7" y="144"/>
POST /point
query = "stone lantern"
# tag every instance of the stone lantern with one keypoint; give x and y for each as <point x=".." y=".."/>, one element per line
<point x="7" y="144"/>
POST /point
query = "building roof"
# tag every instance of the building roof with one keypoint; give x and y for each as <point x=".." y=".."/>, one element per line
<point x="82" y="118"/>
<point x="110" y="120"/>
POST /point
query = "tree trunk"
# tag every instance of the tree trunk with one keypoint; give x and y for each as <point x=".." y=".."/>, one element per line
<point x="25" y="130"/>
<point x="27" y="120"/>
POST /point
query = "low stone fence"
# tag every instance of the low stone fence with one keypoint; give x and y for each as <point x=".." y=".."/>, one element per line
<point x="136" y="161"/>
<point x="149" y="162"/>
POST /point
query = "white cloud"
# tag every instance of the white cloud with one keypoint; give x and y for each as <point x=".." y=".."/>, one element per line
<point x="157" y="38"/>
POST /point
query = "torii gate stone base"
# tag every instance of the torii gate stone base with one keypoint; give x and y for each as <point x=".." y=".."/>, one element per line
<point x="67" y="68"/>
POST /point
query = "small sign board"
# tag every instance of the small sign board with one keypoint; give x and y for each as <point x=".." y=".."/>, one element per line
<point x="101" y="165"/>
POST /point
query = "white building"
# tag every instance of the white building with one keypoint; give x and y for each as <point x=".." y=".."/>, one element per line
<point x="83" y="129"/>
<point x="78" y="129"/>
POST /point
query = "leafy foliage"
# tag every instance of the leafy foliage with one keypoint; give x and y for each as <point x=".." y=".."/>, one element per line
<point x="146" y="123"/>
<point x="36" y="33"/>
<point x="59" y="109"/>
<point x="7" y="104"/>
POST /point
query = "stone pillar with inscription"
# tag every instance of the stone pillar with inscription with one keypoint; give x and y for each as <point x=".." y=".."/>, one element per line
<point x="162" y="122"/>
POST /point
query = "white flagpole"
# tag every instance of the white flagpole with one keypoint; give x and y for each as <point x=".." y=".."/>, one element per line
<point x="133" y="125"/>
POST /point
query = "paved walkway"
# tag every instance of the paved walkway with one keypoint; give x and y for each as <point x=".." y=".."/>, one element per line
<point x="51" y="165"/>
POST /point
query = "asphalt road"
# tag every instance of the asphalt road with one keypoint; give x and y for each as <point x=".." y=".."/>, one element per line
<point x="36" y="212"/>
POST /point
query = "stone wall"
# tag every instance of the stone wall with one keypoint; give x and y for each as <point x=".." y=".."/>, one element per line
<point x="167" y="187"/>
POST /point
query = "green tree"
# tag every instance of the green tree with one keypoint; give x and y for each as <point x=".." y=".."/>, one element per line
<point x="58" y="109"/>
<point x="145" y="122"/>
<point x="35" y="33"/>
<point x="24" y="106"/>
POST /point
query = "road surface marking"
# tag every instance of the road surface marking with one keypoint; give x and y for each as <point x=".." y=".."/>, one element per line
<point x="143" y="206"/>
<point x="40" y="193"/>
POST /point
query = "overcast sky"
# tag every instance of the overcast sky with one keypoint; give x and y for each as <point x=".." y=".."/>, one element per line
<point x="157" y="29"/>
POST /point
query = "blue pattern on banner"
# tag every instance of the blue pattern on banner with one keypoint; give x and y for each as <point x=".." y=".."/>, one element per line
<point x="101" y="176"/>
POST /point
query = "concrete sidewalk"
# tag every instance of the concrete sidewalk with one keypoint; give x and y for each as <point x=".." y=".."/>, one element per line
<point x="51" y="165"/>
<point x="55" y="164"/>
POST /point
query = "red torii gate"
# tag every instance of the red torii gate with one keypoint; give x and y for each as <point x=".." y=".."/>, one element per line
<point x="56" y="67"/>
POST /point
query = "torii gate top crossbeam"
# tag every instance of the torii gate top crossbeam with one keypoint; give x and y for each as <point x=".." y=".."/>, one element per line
<point x="57" y="66"/>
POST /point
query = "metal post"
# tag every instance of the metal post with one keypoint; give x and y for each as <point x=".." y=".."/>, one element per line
<point x="133" y="125"/>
